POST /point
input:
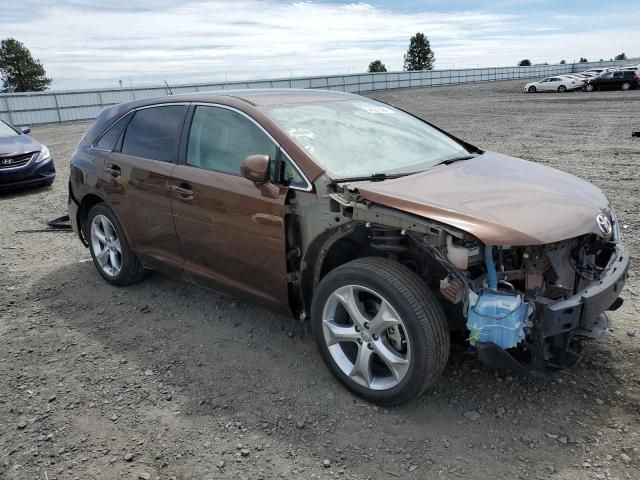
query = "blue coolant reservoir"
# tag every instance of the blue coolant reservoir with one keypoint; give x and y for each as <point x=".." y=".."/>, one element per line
<point x="497" y="317"/>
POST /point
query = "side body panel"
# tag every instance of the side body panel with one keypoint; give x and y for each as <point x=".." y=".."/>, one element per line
<point x="231" y="235"/>
<point x="140" y="196"/>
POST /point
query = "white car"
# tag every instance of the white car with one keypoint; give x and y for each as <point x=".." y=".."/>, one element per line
<point x="629" y="68"/>
<point x="580" y="79"/>
<point x="558" y="83"/>
<point x="598" y="71"/>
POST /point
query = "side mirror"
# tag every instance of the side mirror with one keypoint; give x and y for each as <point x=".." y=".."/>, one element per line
<point x="256" y="168"/>
<point x="25" y="130"/>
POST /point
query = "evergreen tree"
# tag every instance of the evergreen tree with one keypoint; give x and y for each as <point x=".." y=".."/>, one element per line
<point x="419" y="56"/>
<point x="19" y="71"/>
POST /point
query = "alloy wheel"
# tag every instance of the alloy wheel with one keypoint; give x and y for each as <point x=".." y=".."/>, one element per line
<point x="105" y="245"/>
<point x="366" y="337"/>
<point x="626" y="86"/>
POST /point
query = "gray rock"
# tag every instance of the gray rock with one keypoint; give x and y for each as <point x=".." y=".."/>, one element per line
<point x="128" y="457"/>
<point x="144" y="476"/>
<point x="326" y="463"/>
<point x="626" y="459"/>
<point x="220" y="464"/>
<point x="245" y="452"/>
<point x="632" y="332"/>
<point x="22" y="425"/>
<point x="471" y="415"/>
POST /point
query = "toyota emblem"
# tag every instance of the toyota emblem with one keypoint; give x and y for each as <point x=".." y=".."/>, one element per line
<point x="604" y="224"/>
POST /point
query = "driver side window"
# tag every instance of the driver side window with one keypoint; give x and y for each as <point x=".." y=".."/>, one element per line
<point x="220" y="140"/>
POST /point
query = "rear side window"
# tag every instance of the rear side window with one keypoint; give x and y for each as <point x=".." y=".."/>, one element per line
<point x="110" y="138"/>
<point x="155" y="132"/>
<point x="618" y="74"/>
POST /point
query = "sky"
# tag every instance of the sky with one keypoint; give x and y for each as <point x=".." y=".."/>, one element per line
<point x="96" y="43"/>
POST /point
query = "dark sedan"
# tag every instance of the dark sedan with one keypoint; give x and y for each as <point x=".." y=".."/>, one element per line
<point x="23" y="161"/>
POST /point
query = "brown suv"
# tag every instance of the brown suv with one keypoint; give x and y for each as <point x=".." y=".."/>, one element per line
<point x="385" y="231"/>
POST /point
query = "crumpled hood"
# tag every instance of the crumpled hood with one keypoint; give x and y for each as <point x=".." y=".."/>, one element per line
<point x="499" y="199"/>
<point x="17" y="144"/>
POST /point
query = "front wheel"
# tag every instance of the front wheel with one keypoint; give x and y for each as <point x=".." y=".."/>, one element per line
<point x="380" y="330"/>
<point x="626" y="86"/>
<point x="531" y="89"/>
<point x="589" y="88"/>
<point x="562" y="89"/>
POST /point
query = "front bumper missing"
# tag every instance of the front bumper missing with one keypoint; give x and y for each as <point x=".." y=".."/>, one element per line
<point x="581" y="313"/>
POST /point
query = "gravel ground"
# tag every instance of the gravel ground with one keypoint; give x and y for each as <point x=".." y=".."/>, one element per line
<point x="167" y="380"/>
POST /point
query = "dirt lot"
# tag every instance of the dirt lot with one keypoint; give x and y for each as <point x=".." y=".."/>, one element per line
<point x="167" y="380"/>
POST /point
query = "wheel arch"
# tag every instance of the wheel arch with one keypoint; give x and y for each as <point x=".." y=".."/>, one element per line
<point x="87" y="202"/>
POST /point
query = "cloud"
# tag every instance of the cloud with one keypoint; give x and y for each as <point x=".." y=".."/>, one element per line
<point x="87" y="44"/>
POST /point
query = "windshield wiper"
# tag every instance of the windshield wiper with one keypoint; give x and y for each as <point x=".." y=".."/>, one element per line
<point x="449" y="161"/>
<point x="376" y="177"/>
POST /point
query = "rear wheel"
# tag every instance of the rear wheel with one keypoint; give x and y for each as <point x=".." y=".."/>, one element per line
<point x="531" y="89"/>
<point x="380" y="330"/>
<point x="626" y="86"/>
<point x="109" y="248"/>
<point x="589" y="87"/>
<point x="562" y="89"/>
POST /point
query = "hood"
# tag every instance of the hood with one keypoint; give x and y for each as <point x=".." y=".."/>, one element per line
<point x="17" y="144"/>
<point x="500" y="200"/>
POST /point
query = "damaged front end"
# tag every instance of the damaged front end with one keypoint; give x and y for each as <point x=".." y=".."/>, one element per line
<point x="534" y="305"/>
<point x="524" y="307"/>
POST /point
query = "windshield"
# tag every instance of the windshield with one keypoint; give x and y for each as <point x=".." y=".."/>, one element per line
<point x="352" y="138"/>
<point x="6" y="130"/>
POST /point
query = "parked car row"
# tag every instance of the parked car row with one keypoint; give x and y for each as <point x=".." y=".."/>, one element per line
<point x="622" y="78"/>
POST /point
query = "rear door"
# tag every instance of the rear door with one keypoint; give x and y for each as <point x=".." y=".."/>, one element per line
<point x="231" y="235"/>
<point x="140" y="171"/>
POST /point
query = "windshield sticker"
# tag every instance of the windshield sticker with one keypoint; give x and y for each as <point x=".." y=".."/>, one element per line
<point x="376" y="109"/>
<point x="302" y="133"/>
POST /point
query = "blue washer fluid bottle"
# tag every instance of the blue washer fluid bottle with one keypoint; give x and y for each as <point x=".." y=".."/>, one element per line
<point x="497" y="317"/>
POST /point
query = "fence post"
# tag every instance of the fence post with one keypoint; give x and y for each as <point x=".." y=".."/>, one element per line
<point x="6" y="100"/>
<point x="55" y="99"/>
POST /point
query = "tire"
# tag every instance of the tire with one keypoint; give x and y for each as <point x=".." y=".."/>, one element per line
<point x="531" y="89"/>
<point x="118" y="264"/>
<point x="589" y="88"/>
<point x="626" y="86"/>
<point x="413" y="335"/>
<point x="562" y="89"/>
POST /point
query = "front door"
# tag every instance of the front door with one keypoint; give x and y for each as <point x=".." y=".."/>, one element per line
<point x="617" y="79"/>
<point x="606" y="81"/>
<point x="231" y="235"/>
<point x="139" y="191"/>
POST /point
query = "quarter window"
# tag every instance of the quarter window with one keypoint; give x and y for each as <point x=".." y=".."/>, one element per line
<point x="110" y="138"/>
<point x="155" y="132"/>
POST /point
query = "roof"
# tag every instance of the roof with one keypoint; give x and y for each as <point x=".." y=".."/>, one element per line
<point x="275" y="96"/>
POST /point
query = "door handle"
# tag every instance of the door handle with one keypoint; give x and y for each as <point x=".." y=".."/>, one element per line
<point x="183" y="191"/>
<point x="113" y="170"/>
